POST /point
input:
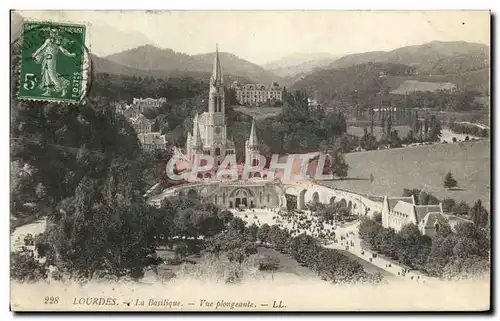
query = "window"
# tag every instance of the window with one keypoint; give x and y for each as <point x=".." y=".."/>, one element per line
<point x="217" y="151"/>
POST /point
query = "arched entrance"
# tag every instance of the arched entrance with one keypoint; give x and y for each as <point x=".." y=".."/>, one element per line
<point x="316" y="197"/>
<point x="242" y="197"/>
<point x="332" y="200"/>
<point x="301" y="199"/>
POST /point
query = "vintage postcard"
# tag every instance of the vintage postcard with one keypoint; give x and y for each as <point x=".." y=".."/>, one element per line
<point x="250" y="161"/>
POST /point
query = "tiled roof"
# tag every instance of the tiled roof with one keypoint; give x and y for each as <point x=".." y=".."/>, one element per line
<point x="152" y="138"/>
<point x="422" y="210"/>
<point x="404" y="207"/>
<point x="394" y="200"/>
<point x="430" y="219"/>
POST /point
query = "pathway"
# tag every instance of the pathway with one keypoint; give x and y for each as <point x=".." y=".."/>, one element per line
<point x="351" y="243"/>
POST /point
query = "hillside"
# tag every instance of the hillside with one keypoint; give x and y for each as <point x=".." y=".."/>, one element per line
<point x="149" y="58"/>
<point x="337" y="82"/>
<point x="297" y="64"/>
<point x="102" y="65"/>
<point x="434" y="58"/>
<point x="333" y="82"/>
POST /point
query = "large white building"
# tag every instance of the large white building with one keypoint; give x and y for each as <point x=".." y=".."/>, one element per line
<point x="257" y="93"/>
<point x="400" y="211"/>
<point x="152" y="103"/>
<point x="209" y="134"/>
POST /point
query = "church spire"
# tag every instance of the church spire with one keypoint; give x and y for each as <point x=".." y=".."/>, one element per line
<point x="252" y="141"/>
<point x="197" y="137"/>
<point x="217" y="71"/>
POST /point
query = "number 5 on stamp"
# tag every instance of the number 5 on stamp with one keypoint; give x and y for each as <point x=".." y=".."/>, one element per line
<point x="52" y="62"/>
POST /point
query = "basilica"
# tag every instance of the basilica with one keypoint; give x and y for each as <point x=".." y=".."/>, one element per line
<point x="209" y="134"/>
<point x="209" y="137"/>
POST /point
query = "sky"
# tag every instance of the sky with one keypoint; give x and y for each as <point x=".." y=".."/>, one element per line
<point x="265" y="36"/>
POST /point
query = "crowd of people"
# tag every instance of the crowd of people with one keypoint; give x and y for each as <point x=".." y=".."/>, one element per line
<point x="336" y="235"/>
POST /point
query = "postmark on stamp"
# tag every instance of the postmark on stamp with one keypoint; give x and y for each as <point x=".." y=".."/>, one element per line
<point x="54" y="62"/>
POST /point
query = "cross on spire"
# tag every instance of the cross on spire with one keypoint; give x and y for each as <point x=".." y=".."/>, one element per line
<point x="217" y="71"/>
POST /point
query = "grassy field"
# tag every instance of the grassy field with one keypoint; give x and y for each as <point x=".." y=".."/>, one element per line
<point x="259" y="112"/>
<point x="409" y="86"/>
<point x="422" y="167"/>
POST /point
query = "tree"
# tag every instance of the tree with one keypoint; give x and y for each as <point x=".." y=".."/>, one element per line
<point x="337" y="164"/>
<point x="448" y="204"/>
<point x="24" y="268"/>
<point x="461" y="209"/>
<point x="252" y="232"/>
<point x="413" y="247"/>
<point x="435" y="129"/>
<point x="226" y="216"/>
<point x="479" y="215"/>
<point x="449" y="181"/>
<point x="441" y="252"/>
<point x="237" y="225"/>
<point x="263" y="233"/>
<point x="377" y="217"/>
<point x="180" y="250"/>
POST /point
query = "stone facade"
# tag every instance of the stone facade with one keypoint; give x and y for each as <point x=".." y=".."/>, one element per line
<point x="257" y="93"/>
<point x="209" y="134"/>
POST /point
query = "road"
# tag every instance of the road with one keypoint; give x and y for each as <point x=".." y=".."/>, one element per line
<point x="17" y="236"/>
<point x="351" y="243"/>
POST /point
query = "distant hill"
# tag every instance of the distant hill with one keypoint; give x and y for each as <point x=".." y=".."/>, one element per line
<point x="151" y="58"/>
<point x="297" y="64"/>
<point x="336" y="82"/>
<point x="102" y="65"/>
<point x="464" y="65"/>
<point x="326" y="84"/>
<point x="434" y="58"/>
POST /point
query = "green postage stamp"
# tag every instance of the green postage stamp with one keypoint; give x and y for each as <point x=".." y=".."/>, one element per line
<point x="54" y="62"/>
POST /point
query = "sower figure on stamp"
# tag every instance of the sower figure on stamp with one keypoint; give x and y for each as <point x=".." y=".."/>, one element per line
<point x="47" y="56"/>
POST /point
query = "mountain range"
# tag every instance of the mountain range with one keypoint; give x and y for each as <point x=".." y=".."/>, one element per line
<point x="150" y="58"/>
<point x="464" y="64"/>
<point x="300" y="63"/>
<point x="433" y="58"/>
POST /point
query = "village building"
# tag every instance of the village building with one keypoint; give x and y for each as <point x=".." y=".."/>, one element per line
<point x="152" y="103"/>
<point x="141" y="124"/>
<point x="400" y="211"/>
<point x="152" y="141"/>
<point x="149" y="139"/>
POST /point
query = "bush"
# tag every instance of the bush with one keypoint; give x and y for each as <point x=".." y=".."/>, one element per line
<point x="448" y="204"/>
<point x="268" y="263"/>
<point x="24" y="268"/>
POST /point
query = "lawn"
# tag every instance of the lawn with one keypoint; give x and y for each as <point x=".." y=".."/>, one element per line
<point x="422" y="167"/>
<point x="259" y="113"/>
<point x="286" y="264"/>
